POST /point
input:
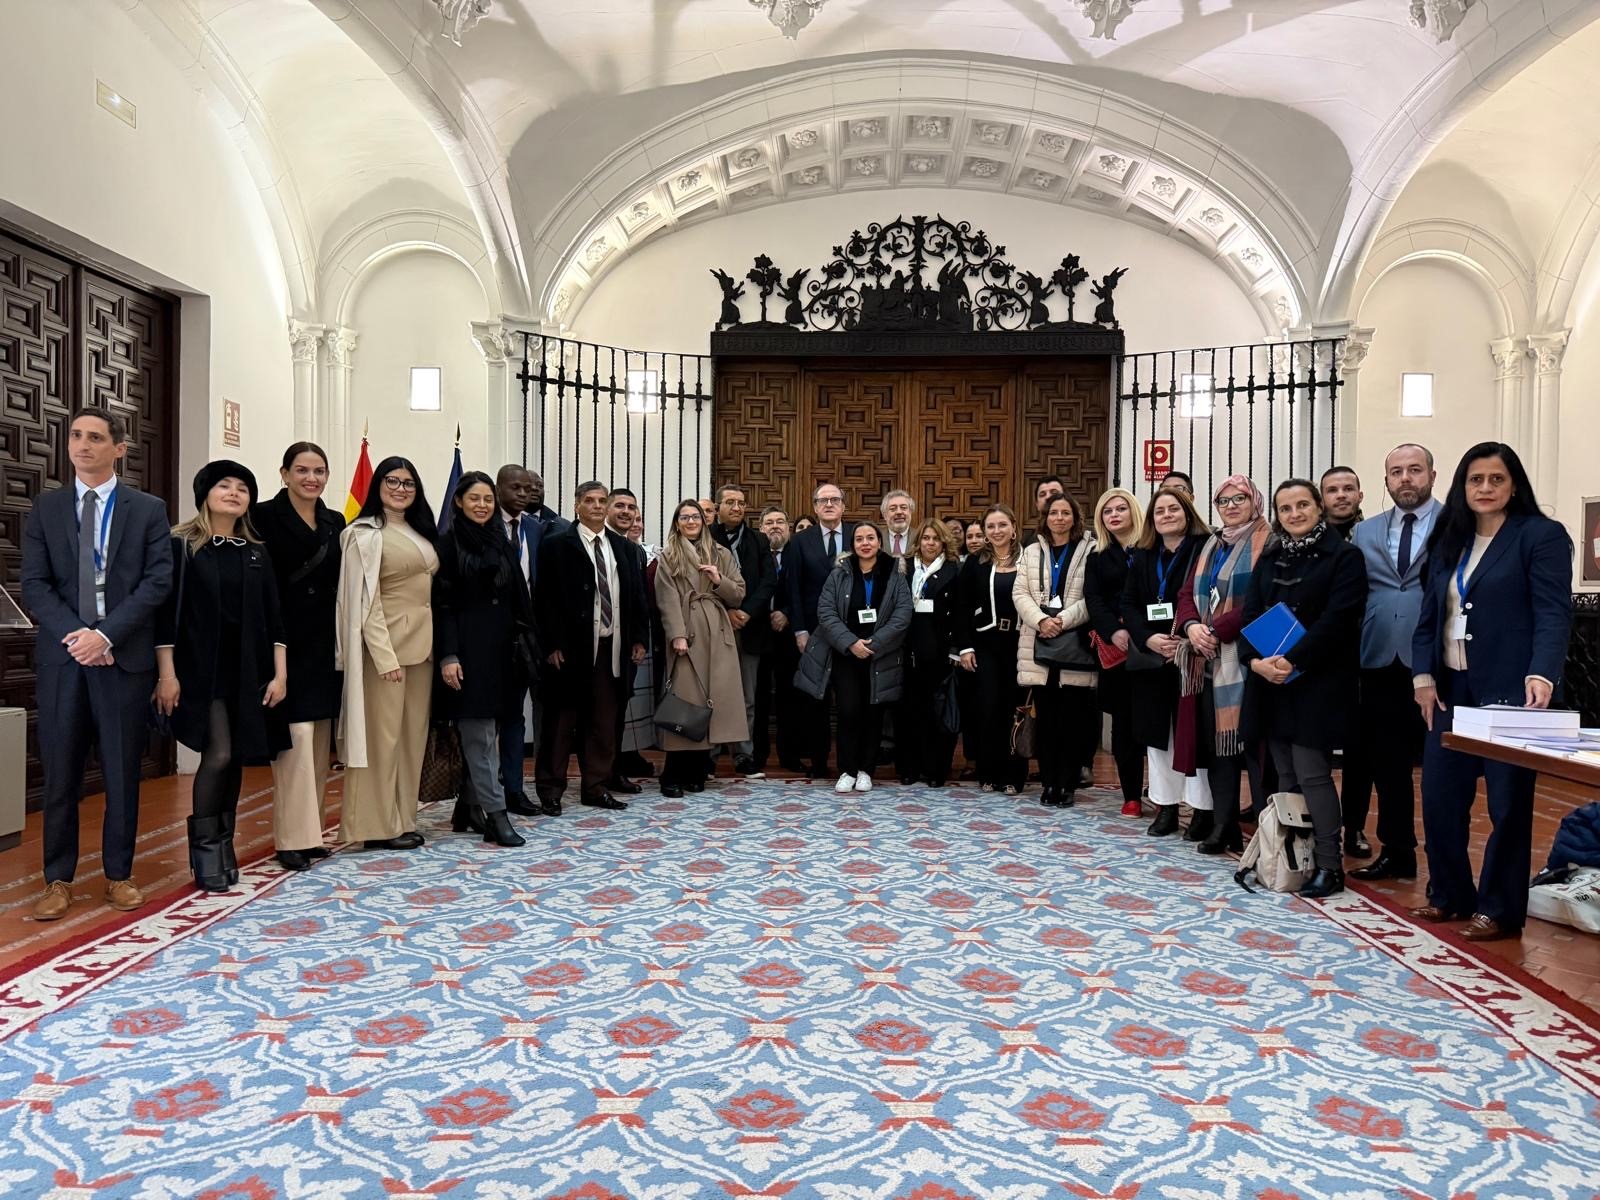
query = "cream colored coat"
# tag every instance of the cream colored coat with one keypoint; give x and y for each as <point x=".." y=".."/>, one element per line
<point x="1028" y="595"/>
<point x="693" y="609"/>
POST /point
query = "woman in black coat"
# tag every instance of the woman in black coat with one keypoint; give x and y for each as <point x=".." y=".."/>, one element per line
<point x="922" y="746"/>
<point x="301" y="535"/>
<point x="1322" y="579"/>
<point x="481" y="612"/>
<point x="1162" y="559"/>
<point x="221" y="661"/>
<point x="1118" y="523"/>
<point x="987" y="636"/>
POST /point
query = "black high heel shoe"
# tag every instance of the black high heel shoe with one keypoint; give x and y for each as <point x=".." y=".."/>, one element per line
<point x="498" y="830"/>
<point x="1222" y="840"/>
<point x="1325" y="882"/>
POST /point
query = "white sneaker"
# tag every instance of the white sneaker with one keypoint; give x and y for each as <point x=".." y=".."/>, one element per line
<point x="847" y="783"/>
<point x="863" y="782"/>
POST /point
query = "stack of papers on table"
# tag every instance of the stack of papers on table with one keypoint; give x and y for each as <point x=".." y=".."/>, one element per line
<point x="1502" y="721"/>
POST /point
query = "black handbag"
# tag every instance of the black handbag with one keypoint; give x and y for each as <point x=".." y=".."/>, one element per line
<point x="947" y="705"/>
<point x="674" y="714"/>
<point x="1071" y="648"/>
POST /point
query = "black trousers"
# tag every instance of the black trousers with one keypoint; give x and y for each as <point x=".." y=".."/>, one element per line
<point x="1449" y="788"/>
<point x="997" y="697"/>
<point x="922" y="750"/>
<point x="685" y="766"/>
<point x="585" y="723"/>
<point x="860" y="721"/>
<point x="816" y="734"/>
<point x="1309" y="771"/>
<point x="1066" y="731"/>
<point x="776" y="698"/>
<point x="1388" y="745"/>
<point x="80" y="707"/>
<point x="1116" y="699"/>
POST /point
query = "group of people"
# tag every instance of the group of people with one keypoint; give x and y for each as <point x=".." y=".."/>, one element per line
<point x="268" y="631"/>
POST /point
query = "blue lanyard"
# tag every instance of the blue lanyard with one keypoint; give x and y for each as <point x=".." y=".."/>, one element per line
<point x="1461" y="576"/>
<point x="1161" y="572"/>
<point x="1059" y="555"/>
<point x="105" y="529"/>
<point x="866" y="583"/>
<point x="1218" y="561"/>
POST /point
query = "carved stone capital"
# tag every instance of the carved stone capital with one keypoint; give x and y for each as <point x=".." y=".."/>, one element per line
<point x="341" y="346"/>
<point x="492" y="341"/>
<point x="304" y="340"/>
<point x="1510" y="357"/>
<point x="1547" y="350"/>
<point x="1353" y="353"/>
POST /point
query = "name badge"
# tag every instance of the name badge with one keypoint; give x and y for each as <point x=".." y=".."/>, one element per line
<point x="1159" y="612"/>
<point x="1216" y="599"/>
<point x="867" y="616"/>
<point x="923" y="606"/>
<point x="1458" y="628"/>
<point x="1055" y="603"/>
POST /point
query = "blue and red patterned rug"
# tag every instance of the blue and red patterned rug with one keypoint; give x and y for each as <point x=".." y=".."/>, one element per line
<point x="774" y="991"/>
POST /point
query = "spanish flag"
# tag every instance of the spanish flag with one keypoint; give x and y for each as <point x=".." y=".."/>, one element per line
<point x="359" y="483"/>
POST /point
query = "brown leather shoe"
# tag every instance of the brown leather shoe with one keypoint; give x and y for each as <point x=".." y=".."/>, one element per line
<point x="1435" y="915"/>
<point x="53" y="905"/>
<point x="123" y="895"/>
<point x="1486" y="929"/>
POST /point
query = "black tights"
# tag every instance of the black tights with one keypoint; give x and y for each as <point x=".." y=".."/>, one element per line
<point x="218" y="779"/>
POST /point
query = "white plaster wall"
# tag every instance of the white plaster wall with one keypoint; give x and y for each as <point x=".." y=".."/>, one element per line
<point x="169" y="203"/>
<point x="415" y="309"/>
<point x="663" y="298"/>
<point x="1580" y="408"/>
<point x="1426" y="316"/>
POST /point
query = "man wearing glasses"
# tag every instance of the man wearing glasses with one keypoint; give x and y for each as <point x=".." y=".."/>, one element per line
<point x="811" y="556"/>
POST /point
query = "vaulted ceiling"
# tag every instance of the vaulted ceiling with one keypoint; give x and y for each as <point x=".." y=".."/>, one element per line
<point x="1272" y="134"/>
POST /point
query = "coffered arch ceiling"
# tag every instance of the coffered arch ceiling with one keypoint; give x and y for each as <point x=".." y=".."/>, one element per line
<point x="1317" y="109"/>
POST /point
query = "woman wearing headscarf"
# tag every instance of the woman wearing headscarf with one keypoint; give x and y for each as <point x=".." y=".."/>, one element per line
<point x="301" y="535"/>
<point x="482" y="612"/>
<point x="221" y="658"/>
<point x="697" y="582"/>
<point x="1118" y="524"/>
<point x="385" y="649"/>
<point x="1210" y="616"/>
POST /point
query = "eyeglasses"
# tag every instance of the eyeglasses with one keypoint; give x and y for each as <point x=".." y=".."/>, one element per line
<point x="830" y="499"/>
<point x="395" y="484"/>
<point x="1231" y="501"/>
<point x="686" y="515"/>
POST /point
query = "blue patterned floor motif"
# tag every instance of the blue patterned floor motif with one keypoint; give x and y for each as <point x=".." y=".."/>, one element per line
<point x="774" y="991"/>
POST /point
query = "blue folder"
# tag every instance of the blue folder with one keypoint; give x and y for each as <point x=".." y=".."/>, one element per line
<point x="1275" y="632"/>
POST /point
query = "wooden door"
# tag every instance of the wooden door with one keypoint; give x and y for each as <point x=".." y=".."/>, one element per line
<point x="71" y="337"/>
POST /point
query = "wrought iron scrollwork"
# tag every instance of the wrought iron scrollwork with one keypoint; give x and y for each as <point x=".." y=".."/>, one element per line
<point x="917" y="274"/>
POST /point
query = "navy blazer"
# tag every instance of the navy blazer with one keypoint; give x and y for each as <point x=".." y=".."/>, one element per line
<point x="138" y="574"/>
<point x="806" y="567"/>
<point x="1519" y="611"/>
<point x="1393" y="603"/>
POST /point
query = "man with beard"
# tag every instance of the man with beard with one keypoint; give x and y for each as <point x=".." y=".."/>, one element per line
<point x="622" y="514"/>
<point x="775" y="694"/>
<point x="1390" y="724"/>
<point x="898" y="508"/>
<point x="1341" y="500"/>
<point x="752" y="620"/>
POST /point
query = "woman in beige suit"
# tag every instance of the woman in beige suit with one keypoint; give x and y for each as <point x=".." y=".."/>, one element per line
<point x="697" y="582"/>
<point x="385" y="648"/>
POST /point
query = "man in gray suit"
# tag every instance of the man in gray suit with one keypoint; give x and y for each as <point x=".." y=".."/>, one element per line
<point x="96" y="566"/>
<point x="1391" y="730"/>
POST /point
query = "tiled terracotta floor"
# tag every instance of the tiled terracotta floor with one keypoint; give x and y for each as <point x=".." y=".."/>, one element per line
<point x="1562" y="958"/>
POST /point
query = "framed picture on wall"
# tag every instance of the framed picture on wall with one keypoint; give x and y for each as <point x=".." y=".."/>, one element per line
<point x="1589" y="545"/>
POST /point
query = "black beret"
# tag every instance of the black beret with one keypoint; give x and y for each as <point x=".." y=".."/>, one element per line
<point x="214" y="473"/>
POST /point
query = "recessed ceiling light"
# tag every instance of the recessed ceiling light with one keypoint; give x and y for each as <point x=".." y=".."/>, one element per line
<point x="115" y="103"/>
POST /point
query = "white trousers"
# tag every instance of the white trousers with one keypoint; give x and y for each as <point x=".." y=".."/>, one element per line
<point x="1171" y="787"/>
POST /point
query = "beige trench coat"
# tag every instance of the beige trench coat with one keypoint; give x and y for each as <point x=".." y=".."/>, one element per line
<point x="692" y="609"/>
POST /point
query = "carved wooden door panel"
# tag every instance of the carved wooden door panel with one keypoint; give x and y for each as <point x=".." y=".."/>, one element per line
<point x="759" y="437"/>
<point x="1066" y="411"/>
<point x="857" y="439"/>
<point x="69" y="337"/>
<point x="962" y="431"/>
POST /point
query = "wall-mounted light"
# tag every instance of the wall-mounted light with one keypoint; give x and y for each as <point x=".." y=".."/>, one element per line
<point x="115" y="103"/>
<point x="426" y="389"/>
<point x="1195" y="393"/>
<point x="1416" y="394"/>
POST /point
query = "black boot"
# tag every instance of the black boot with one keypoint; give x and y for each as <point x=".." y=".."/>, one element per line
<point x="1166" y="821"/>
<point x="465" y="816"/>
<point x="230" y="864"/>
<point x="1324" y="882"/>
<point x="1222" y="839"/>
<point x="205" y="854"/>
<point x="1201" y="823"/>
<point x="498" y="830"/>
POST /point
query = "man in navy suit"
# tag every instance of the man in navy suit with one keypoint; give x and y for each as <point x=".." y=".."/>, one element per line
<point x="96" y="565"/>
<point x="777" y="699"/>
<point x="1391" y="729"/>
<point x="811" y="556"/>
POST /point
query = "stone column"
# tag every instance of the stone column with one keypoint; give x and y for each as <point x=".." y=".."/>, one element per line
<point x="1357" y="341"/>
<point x="1547" y="350"/>
<point x="340" y="438"/>
<point x="303" y="342"/>
<point x="494" y="344"/>
<point x="1510" y="369"/>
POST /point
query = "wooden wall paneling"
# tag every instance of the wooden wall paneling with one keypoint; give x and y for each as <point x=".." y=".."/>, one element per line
<point x="857" y="436"/>
<point x="759" y="435"/>
<point x="963" y="427"/>
<point x="127" y="367"/>
<point x="1064" y="428"/>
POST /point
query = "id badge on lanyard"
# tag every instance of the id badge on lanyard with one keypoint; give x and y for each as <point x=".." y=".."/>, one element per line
<point x="1458" y="623"/>
<point x="1163" y="609"/>
<point x="867" y="615"/>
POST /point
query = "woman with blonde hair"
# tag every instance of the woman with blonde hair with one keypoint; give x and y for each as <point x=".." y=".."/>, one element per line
<point x="987" y="636"/>
<point x="697" y="582"/>
<point x="1118" y="524"/>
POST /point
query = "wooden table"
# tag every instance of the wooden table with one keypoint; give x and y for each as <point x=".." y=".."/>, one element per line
<point x="1584" y="773"/>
